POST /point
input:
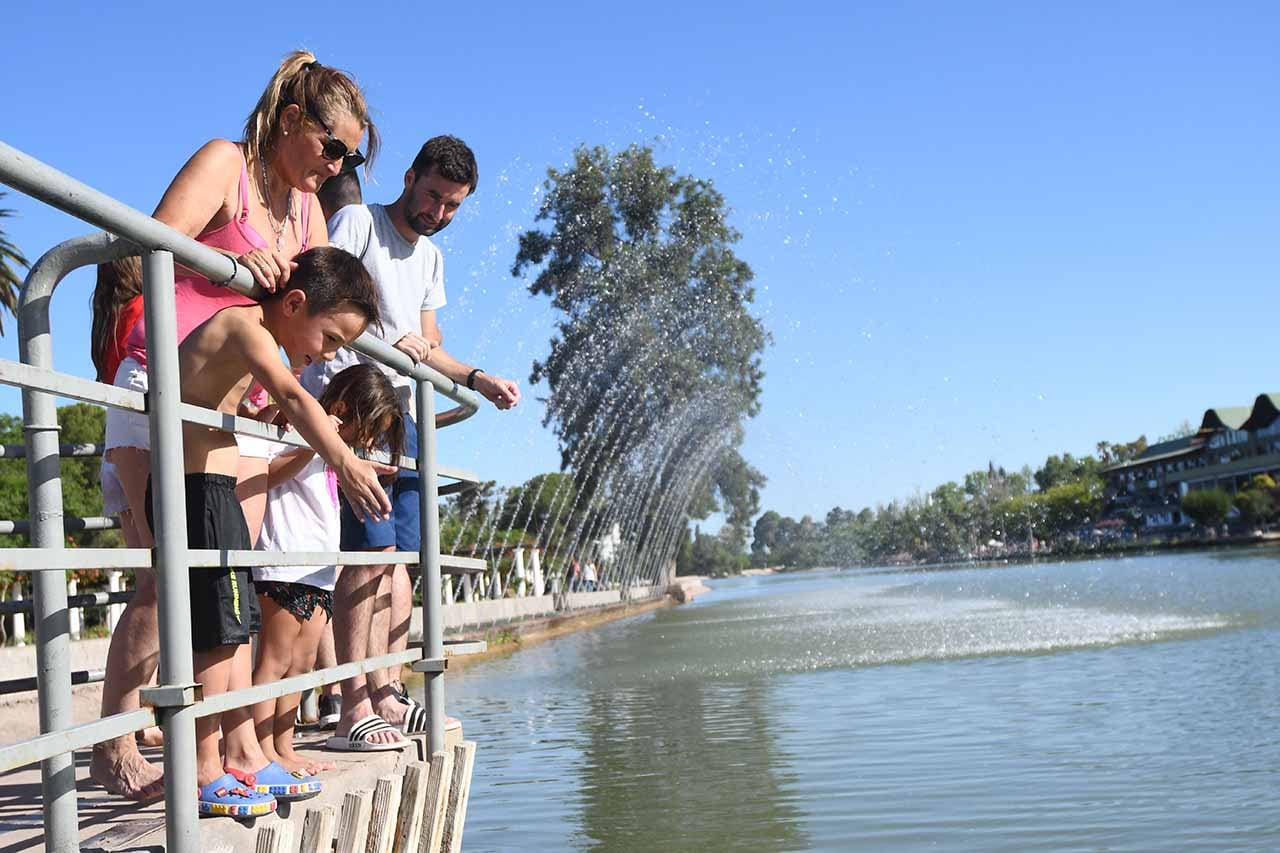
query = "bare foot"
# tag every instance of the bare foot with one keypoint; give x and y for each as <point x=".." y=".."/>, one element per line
<point x="291" y="761"/>
<point x="126" y="774"/>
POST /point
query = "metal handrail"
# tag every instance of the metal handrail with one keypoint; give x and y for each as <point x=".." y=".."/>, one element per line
<point x="176" y="700"/>
<point x="57" y="189"/>
<point x="90" y="391"/>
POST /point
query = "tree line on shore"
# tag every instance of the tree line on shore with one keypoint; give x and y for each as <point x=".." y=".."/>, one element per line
<point x="992" y="513"/>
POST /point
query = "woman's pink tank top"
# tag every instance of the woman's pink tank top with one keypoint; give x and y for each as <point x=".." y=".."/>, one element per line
<point x="197" y="299"/>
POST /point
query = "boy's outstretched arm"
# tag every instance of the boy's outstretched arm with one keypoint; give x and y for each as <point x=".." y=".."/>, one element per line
<point x="358" y="477"/>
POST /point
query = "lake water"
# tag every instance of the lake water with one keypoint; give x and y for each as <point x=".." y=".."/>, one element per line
<point x="1124" y="704"/>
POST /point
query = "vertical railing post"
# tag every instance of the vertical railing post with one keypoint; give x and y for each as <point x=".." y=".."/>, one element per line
<point x="170" y="560"/>
<point x="429" y="560"/>
<point x="50" y="615"/>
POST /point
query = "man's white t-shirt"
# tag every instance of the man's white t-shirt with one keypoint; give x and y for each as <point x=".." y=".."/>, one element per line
<point x="409" y="277"/>
<point x="302" y="515"/>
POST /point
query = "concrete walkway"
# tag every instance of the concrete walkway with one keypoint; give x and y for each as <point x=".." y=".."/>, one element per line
<point x="110" y="824"/>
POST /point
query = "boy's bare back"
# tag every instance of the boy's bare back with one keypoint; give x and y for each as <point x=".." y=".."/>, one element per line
<point x="214" y="373"/>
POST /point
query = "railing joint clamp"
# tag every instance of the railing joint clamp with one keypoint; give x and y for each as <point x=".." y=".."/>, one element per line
<point x="430" y="665"/>
<point x="171" y="695"/>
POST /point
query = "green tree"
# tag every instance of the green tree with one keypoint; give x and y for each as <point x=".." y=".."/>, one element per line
<point x="766" y="538"/>
<point x="655" y="318"/>
<point x="717" y="556"/>
<point x="1208" y="507"/>
<point x="535" y="505"/>
<point x="1257" y="502"/>
<point x="1113" y="454"/>
<point x="1070" y="506"/>
<point x="1057" y="471"/>
<point x="10" y="283"/>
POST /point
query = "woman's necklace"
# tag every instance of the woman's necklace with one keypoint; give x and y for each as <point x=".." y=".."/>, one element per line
<point x="278" y="230"/>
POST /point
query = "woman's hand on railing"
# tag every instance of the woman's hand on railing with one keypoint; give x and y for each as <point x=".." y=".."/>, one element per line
<point x="271" y="269"/>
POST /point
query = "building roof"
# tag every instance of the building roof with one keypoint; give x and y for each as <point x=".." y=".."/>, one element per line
<point x="1265" y="410"/>
<point x="1225" y="417"/>
<point x="1159" y="451"/>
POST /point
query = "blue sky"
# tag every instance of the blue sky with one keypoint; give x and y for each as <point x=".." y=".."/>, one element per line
<point x="980" y="231"/>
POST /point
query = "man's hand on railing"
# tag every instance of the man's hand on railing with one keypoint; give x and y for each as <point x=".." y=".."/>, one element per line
<point x="503" y="393"/>
<point x="416" y="347"/>
<point x="359" y="481"/>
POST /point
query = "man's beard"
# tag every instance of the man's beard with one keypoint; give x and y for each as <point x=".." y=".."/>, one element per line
<point x="422" y="225"/>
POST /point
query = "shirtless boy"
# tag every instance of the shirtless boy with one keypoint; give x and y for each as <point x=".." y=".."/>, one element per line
<point x="328" y="302"/>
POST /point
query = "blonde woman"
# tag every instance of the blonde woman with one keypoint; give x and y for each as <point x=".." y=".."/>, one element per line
<point x="253" y="200"/>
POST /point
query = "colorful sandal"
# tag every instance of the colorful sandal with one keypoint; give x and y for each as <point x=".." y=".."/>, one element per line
<point x="279" y="783"/>
<point x="226" y="797"/>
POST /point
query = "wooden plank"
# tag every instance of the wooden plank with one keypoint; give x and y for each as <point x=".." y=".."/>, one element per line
<point x="382" y="821"/>
<point x="412" y="796"/>
<point x="275" y="837"/>
<point x="464" y="759"/>
<point x="317" y="830"/>
<point x="353" y="822"/>
<point x="437" y="798"/>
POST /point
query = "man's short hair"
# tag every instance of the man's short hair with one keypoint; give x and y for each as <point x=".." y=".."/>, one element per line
<point x="333" y="279"/>
<point x="452" y="159"/>
<point x="339" y="191"/>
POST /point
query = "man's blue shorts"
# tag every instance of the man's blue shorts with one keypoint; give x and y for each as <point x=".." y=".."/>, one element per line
<point x="402" y="529"/>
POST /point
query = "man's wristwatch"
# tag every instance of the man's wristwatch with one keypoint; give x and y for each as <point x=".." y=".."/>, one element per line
<point x="471" y="378"/>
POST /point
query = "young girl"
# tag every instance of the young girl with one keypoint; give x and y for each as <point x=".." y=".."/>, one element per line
<point x="302" y="515"/>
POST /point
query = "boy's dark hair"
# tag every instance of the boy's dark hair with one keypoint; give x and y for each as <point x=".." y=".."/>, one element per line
<point x="452" y="159"/>
<point x="370" y="400"/>
<point x="333" y="279"/>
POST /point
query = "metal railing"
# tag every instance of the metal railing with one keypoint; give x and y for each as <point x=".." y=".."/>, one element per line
<point x="176" y="702"/>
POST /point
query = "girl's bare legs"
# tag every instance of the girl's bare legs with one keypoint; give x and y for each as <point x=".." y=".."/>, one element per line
<point x="303" y="661"/>
<point x="280" y="632"/>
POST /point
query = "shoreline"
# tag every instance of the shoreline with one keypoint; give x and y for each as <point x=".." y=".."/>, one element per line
<point x="1062" y="556"/>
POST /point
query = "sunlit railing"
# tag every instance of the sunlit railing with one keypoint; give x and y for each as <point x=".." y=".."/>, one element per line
<point x="176" y="702"/>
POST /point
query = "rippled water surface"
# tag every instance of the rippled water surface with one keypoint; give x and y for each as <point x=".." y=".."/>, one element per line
<point x="1105" y="705"/>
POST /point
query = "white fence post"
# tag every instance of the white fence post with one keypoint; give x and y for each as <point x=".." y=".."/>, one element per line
<point x="536" y="569"/>
<point x="519" y="572"/>
<point x="19" y="618"/>
<point x="73" y="613"/>
<point x="113" y="610"/>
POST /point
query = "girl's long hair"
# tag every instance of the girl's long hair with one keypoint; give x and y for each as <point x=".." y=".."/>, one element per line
<point x="369" y="399"/>
<point x="118" y="282"/>
<point x="318" y="90"/>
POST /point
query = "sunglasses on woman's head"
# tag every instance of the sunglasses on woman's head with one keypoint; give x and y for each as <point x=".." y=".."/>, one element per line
<point x="333" y="148"/>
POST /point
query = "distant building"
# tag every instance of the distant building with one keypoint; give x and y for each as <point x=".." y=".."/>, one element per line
<point x="1231" y="447"/>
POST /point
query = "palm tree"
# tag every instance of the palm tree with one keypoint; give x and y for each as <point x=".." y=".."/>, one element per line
<point x="9" y="281"/>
